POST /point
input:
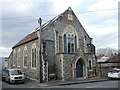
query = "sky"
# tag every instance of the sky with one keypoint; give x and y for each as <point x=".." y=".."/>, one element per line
<point x="19" y="18"/>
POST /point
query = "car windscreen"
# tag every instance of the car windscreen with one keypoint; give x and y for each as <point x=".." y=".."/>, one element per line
<point x="115" y="71"/>
<point x="16" y="72"/>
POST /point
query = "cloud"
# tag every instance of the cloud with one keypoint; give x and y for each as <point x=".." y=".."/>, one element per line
<point x="106" y="40"/>
<point x="4" y="51"/>
<point x="98" y="31"/>
<point x="104" y="4"/>
<point x="20" y="18"/>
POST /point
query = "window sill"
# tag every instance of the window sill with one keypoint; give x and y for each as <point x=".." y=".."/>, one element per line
<point x="66" y="53"/>
<point x="90" y="70"/>
<point x="24" y="67"/>
<point x="34" y="68"/>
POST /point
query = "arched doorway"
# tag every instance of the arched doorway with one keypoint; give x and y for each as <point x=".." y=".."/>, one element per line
<point x="79" y="69"/>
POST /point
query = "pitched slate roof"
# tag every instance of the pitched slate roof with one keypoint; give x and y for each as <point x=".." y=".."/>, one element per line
<point x="28" y="38"/>
<point x="33" y="35"/>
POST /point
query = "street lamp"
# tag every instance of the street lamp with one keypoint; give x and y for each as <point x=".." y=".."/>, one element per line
<point x="40" y="23"/>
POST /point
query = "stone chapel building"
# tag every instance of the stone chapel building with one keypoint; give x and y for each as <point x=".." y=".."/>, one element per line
<point x="62" y="48"/>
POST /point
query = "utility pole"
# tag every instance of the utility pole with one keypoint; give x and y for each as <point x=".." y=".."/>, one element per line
<point x="40" y="43"/>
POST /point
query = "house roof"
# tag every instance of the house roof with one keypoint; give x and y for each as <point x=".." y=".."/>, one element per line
<point x="115" y="58"/>
<point x="28" y="38"/>
<point x="34" y="36"/>
<point x="100" y="56"/>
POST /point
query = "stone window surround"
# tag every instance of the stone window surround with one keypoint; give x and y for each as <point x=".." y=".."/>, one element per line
<point x="34" y="47"/>
<point x="18" y="57"/>
<point x="89" y="60"/>
<point x="25" y="50"/>
<point x="72" y="33"/>
<point x="70" y="17"/>
<point x="56" y="36"/>
<point x="14" y="53"/>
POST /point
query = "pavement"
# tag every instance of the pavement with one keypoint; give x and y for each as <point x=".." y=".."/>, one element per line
<point x="69" y="82"/>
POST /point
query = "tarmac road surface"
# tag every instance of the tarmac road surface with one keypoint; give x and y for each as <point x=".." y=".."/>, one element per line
<point x="102" y="84"/>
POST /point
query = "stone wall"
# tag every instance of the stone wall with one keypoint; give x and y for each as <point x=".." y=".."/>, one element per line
<point x="59" y="66"/>
<point x="67" y="66"/>
<point x="59" y="63"/>
<point x="29" y="71"/>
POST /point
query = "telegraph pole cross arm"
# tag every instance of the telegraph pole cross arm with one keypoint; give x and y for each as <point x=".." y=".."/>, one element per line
<point x="40" y="21"/>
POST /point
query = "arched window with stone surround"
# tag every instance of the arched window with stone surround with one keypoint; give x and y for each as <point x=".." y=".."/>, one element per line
<point x="14" y="61"/>
<point x="90" y="64"/>
<point x="19" y="57"/>
<point x="34" y="56"/>
<point x="25" y="57"/>
<point x="70" y="40"/>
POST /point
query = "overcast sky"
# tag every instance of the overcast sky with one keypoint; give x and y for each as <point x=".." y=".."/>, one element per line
<point x="19" y="18"/>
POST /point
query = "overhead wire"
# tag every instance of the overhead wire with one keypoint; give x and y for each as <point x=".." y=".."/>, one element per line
<point x="48" y="15"/>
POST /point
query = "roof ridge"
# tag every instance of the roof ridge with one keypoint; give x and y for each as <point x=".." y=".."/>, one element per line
<point x="45" y="25"/>
<point x="49" y="22"/>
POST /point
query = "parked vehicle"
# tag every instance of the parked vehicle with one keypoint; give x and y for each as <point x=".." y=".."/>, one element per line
<point x="115" y="73"/>
<point x="14" y="76"/>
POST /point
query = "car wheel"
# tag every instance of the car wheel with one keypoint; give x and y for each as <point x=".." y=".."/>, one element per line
<point x="5" y="80"/>
<point x="9" y="81"/>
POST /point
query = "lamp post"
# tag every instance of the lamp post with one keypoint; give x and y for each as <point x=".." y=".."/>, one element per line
<point x="40" y="72"/>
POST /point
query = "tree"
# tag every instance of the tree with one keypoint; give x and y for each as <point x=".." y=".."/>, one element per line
<point x="106" y="51"/>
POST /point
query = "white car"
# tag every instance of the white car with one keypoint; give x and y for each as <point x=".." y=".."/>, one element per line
<point x="115" y="73"/>
<point x="14" y="76"/>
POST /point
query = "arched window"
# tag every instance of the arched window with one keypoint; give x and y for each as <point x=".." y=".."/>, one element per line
<point x="34" y="55"/>
<point x="65" y="43"/>
<point x="18" y="57"/>
<point x="25" y="57"/>
<point x="14" y="57"/>
<point x="70" y="40"/>
<point x="75" y="43"/>
<point x="90" y="64"/>
<point x="72" y="43"/>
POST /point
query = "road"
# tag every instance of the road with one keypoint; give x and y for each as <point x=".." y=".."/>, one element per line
<point x="102" y="84"/>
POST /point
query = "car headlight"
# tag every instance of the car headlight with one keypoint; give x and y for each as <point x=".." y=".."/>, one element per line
<point x="23" y="77"/>
<point x="12" y="77"/>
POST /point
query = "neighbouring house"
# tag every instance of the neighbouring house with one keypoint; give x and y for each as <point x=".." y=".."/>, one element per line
<point x="61" y="47"/>
<point x="112" y="62"/>
<point x="102" y="58"/>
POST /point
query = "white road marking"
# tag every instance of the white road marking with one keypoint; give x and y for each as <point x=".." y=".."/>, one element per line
<point x="94" y="86"/>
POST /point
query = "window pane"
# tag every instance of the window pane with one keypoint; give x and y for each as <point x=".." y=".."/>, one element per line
<point x="65" y="43"/>
<point x="72" y="47"/>
<point x="25" y="58"/>
<point x="90" y="64"/>
<point x="68" y="47"/>
<point x="75" y="43"/>
<point x="35" y="58"/>
<point x="32" y="58"/>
